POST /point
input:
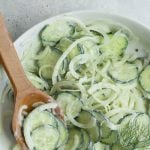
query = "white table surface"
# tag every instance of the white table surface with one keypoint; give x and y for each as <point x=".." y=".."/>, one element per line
<point x="21" y="15"/>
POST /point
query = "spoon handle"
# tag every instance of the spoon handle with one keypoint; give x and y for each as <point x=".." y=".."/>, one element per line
<point x="11" y="62"/>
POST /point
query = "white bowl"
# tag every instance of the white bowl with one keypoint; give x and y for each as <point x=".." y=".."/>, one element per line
<point x="29" y="40"/>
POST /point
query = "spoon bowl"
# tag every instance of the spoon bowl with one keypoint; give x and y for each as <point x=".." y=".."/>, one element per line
<point x="26" y="102"/>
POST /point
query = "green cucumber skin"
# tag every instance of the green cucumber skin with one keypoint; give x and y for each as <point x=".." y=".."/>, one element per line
<point x="97" y="126"/>
<point x="80" y="136"/>
<point x="63" y="129"/>
<point x="86" y="143"/>
<point x="139" y="80"/>
<point x="123" y="82"/>
<point x="110" y="139"/>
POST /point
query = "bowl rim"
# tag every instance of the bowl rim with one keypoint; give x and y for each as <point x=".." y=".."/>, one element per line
<point x="133" y="20"/>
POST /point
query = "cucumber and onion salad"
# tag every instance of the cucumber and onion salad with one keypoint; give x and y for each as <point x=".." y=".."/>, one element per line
<point x="100" y="78"/>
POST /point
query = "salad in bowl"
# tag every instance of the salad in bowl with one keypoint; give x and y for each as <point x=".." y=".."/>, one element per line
<point x="98" y="72"/>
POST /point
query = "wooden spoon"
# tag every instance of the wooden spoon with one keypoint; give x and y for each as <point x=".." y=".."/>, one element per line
<point x="25" y="93"/>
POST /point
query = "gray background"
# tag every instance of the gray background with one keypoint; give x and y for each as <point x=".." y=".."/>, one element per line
<point x="20" y="15"/>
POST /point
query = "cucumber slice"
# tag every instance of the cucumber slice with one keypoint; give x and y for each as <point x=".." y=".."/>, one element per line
<point x="111" y="139"/>
<point x="123" y="73"/>
<point x="46" y="62"/>
<point x="94" y="132"/>
<point x="35" y="119"/>
<point x="107" y="135"/>
<point x="53" y="32"/>
<point x="117" y="146"/>
<point x="144" y="79"/>
<point x="99" y="116"/>
<point x="63" y="132"/>
<point x="63" y="44"/>
<point x="117" y="45"/>
<point x="65" y="99"/>
<point x="75" y="139"/>
<point x="103" y="120"/>
<point x="115" y="119"/>
<point x="45" y="137"/>
<point x="99" y="146"/>
<point x="37" y="81"/>
<point x="85" y="117"/>
<point x="76" y="51"/>
<point x="126" y="117"/>
<point x="38" y="117"/>
<point x="105" y="130"/>
<point x="86" y="140"/>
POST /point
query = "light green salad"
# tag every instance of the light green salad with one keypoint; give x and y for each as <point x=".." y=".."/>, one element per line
<point x="99" y="75"/>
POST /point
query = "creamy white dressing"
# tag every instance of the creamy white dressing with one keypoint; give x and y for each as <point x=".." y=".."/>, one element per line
<point x="21" y="114"/>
